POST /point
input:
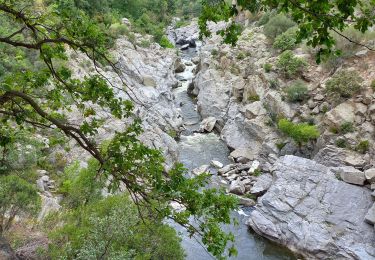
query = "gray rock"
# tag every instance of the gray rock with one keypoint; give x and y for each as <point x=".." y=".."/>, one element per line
<point x="149" y="81"/>
<point x="246" y="153"/>
<point x="201" y="169"/>
<point x="179" y="67"/>
<point x="370" y="216"/>
<point x="308" y="210"/>
<point x="184" y="47"/>
<point x="49" y="204"/>
<point x="350" y="175"/>
<point x="370" y="175"/>
<point x="195" y="60"/>
<point x="333" y="156"/>
<point x="246" y="201"/>
<point x="208" y="124"/>
<point x="262" y="184"/>
<point x="217" y="164"/>
<point x="254" y="109"/>
<point x="237" y="187"/>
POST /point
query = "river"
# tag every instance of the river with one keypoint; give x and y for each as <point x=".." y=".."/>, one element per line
<point x="197" y="149"/>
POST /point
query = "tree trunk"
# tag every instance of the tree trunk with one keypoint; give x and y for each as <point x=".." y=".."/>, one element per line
<point x="6" y="252"/>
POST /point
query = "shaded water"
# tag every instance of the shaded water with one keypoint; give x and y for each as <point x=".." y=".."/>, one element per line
<point x="197" y="149"/>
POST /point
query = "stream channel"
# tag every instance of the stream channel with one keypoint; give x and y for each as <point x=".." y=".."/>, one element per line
<point x="197" y="149"/>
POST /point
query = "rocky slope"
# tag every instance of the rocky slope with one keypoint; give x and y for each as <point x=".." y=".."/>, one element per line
<point x="320" y="208"/>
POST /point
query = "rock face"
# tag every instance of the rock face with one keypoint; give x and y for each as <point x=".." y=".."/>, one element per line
<point x="310" y="211"/>
<point x="149" y="76"/>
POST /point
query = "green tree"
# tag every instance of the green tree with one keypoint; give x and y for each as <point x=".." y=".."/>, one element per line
<point x="18" y="197"/>
<point x="315" y="19"/>
<point x="111" y="228"/>
<point x="39" y="99"/>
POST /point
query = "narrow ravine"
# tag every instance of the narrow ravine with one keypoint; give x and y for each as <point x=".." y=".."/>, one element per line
<point x="198" y="149"/>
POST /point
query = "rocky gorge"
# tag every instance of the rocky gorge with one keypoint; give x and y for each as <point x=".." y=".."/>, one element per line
<point x="213" y="106"/>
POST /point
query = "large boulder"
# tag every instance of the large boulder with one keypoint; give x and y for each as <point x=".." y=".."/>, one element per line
<point x="333" y="156"/>
<point x="345" y="112"/>
<point x="313" y="213"/>
<point x="350" y="175"/>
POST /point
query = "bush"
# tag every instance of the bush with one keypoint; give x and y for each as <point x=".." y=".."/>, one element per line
<point x="372" y="85"/>
<point x="267" y="67"/>
<point x="297" y="91"/>
<point x="344" y="84"/>
<point x="277" y="25"/>
<point x="266" y="17"/>
<point x="117" y="29"/>
<point x="112" y="228"/>
<point x="241" y="55"/>
<point x="214" y="52"/>
<point x="341" y="143"/>
<point x="274" y="83"/>
<point x="18" y="197"/>
<point x="253" y="98"/>
<point x="300" y="133"/>
<point x="290" y="65"/>
<point x="165" y="43"/>
<point x="286" y="40"/>
<point x="348" y="48"/>
<point x="363" y="146"/>
<point x="145" y="43"/>
<point x="346" y="127"/>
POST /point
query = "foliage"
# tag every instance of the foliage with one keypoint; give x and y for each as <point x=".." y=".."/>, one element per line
<point x="346" y="127"/>
<point x="344" y="84"/>
<point x="267" y="67"/>
<point x="341" y="143"/>
<point x="299" y="132"/>
<point x="18" y="197"/>
<point x="297" y="91"/>
<point x="40" y="96"/>
<point x="315" y="19"/>
<point x="165" y="43"/>
<point x="112" y="229"/>
<point x="277" y="25"/>
<point x="274" y="83"/>
<point x="290" y="65"/>
<point x="372" y="85"/>
<point x="253" y="98"/>
<point x="363" y="146"/>
<point x="266" y="17"/>
<point x="286" y="40"/>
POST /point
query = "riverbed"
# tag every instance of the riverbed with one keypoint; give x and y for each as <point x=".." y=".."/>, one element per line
<point x="197" y="149"/>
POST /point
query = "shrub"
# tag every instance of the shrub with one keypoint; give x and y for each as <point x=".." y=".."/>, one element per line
<point x="300" y="133"/>
<point x="241" y="55"/>
<point x="117" y="29"/>
<point x="145" y="43"/>
<point x="289" y="64"/>
<point x="341" y="143"/>
<point x="363" y="146"/>
<point x="344" y="84"/>
<point x="286" y="40"/>
<point x="277" y="25"/>
<point x="346" y="127"/>
<point x="266" y="17"/>
<point x="274" y="83"/>
<point x="297" y="91"/>
<point x="253" y="98"/>
<point x="165" y="43"/>
<point x="267" y="67"/>
<point x="18" y="197"/>
<point x="372" y="85"/>
<point x="348" y="48"/>
<point x="214" y="52"/>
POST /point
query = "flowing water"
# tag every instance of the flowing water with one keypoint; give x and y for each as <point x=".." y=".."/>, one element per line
<point x="197" y="149"/>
